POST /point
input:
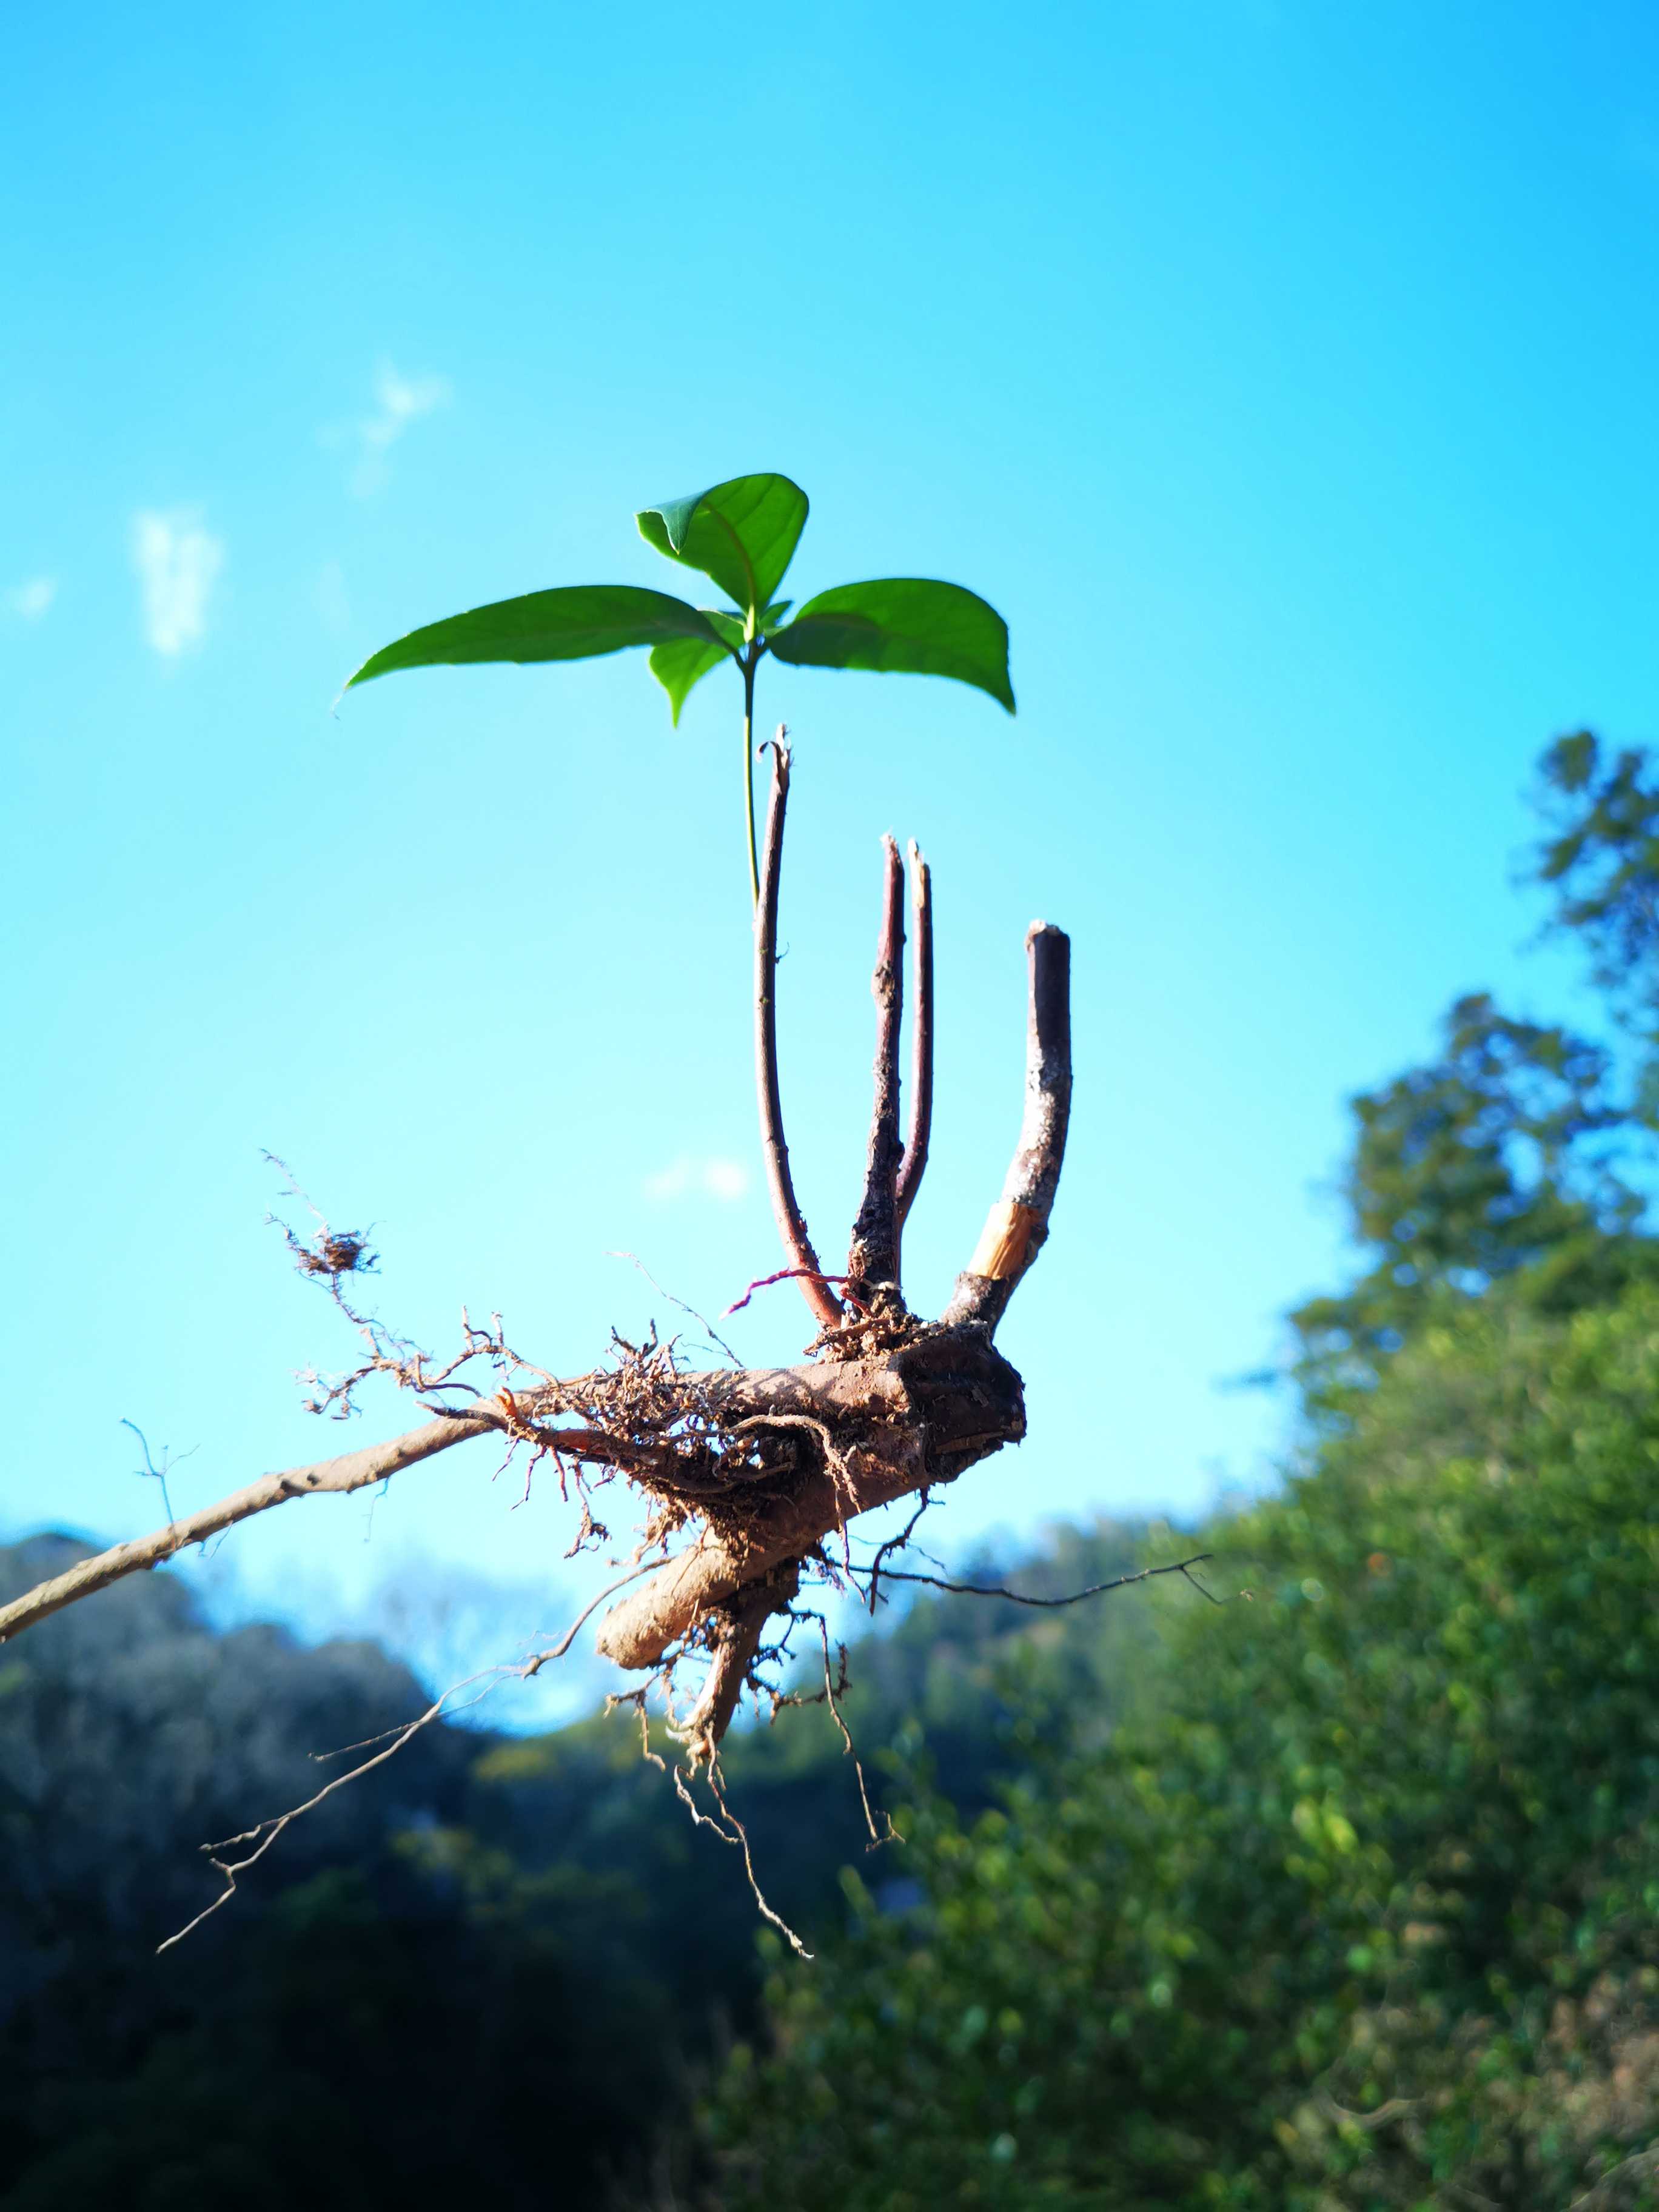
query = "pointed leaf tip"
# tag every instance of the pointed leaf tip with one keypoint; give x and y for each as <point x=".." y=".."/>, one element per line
<point x="578" y="623"/>
<point x="903" y="625"/>
<point x="680" y="665"/>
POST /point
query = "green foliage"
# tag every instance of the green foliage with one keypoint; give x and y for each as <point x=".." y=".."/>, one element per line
<point x="1523" y="1153"/>
<point x="1601" y="862"/>
<point x="376" y="2022"/>
<point x="488" y="1943"/>
<point x="680" y="664"/>
<point x="903" y="625"/>
<point x="743" y="534"/>
<point x="1495" y="1159"/>
<point x="577" y="623"/>
<point x="1364" y="1918"/>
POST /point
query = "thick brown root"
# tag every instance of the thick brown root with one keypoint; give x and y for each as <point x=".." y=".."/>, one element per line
<point x="871" y="1430"/>
<point x="737" y="1628"/>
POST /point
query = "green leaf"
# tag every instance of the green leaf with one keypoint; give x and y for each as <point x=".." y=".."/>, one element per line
<point x="743" y="533"/>
<point x="575" y="623"/>
<point x="682" y="663"/>
<point x="903" y="625"/>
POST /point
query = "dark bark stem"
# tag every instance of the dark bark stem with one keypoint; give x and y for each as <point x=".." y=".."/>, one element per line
<point x="1017" y="1224"/>
<point x="792" y="1227"/>
<point x="873" y="1263"/>
<point x="913" y="1164"/>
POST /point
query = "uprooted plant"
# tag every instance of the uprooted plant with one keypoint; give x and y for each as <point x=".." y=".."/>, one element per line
<point x="750" y="1477"/>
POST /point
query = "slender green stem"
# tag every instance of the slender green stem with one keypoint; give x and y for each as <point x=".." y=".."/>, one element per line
<point x="751" y="662"/>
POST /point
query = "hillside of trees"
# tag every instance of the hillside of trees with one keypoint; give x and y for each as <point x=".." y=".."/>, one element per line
<point x="1340" y="1893"/>
<point x="489" y="1945"/>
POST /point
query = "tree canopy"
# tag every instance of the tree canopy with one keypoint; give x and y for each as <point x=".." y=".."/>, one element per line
<point x="1357" y="1911"/>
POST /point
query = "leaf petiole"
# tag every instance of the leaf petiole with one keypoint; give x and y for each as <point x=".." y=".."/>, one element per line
<point x="749" y="663"/>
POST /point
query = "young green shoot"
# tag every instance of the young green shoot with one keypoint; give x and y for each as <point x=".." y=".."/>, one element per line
<point x="742" y="535"/>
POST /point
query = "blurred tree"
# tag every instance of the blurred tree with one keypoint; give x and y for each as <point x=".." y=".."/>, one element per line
<point x="1366" y="1919"/>
<point x="389" y="2017"/>
<point x="1523" y="1151"/>
<point x="1498" y="1158"/>
<point x="1601" y="862"/>
<point x="488" y="1940"/>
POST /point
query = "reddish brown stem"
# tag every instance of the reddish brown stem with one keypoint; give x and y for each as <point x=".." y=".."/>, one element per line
<point x="792" y="1226"/>
<point x="765" y="1283"/>
<point x="873" y="1263"/>
<point x="913" y="1164"/>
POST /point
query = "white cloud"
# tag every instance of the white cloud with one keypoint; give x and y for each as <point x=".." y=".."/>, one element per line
<point x="399" y="400"/>
<point x="403" y="400"/>
<point x="29" y="601"/>
<point x="724" y="1181"/>
<point x="177" y="561"/>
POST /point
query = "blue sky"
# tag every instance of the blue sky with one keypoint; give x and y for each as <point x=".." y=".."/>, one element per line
<point x="1284" y="373"/>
